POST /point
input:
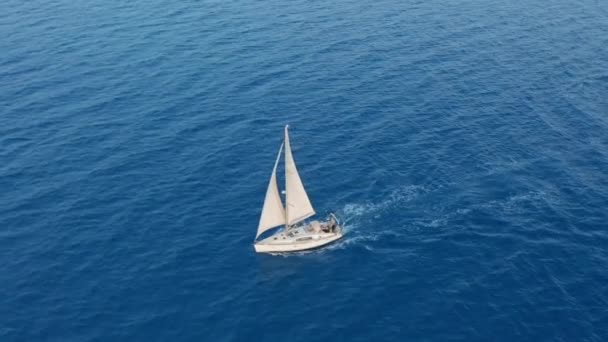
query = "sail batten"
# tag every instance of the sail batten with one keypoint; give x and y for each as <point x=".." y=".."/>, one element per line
<point x="297" y="206"/>
<point x="273" y="213"/>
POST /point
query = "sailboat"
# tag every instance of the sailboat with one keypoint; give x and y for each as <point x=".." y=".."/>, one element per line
<point x="297" y="235"/>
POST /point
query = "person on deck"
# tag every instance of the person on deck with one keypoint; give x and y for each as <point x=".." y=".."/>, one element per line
<point x="332" y="224"/>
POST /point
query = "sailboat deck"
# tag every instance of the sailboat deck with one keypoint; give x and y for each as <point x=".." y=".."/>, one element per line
<point x="300" y="238"/>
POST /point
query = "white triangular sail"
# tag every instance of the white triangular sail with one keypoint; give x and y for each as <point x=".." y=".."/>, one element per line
<point x="297" y="206"/>
<point x="273" y="214"/>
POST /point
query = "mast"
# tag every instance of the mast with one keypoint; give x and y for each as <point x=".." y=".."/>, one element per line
<point x="287" y="147"/>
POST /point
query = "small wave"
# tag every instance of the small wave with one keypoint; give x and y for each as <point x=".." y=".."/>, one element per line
<point x="401" y="195"/>
<point x="516" y="203"/>
<point x="435" y="223"/>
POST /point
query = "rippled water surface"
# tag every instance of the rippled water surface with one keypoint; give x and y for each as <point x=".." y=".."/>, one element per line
<point x="465" y="144"/>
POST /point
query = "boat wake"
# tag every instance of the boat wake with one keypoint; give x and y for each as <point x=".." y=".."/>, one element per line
<point x="360" y="220"/>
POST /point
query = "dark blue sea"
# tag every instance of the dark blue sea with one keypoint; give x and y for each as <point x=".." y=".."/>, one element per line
<point x="464" y="143"/>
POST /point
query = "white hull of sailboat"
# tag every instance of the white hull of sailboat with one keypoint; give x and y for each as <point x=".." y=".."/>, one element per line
<point x="297" y="246"/>
<point x="299" y="239"/>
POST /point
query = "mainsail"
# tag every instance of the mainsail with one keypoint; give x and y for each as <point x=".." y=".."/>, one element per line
<point x="297" y="206"/>
<point x="273" y="213"/>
